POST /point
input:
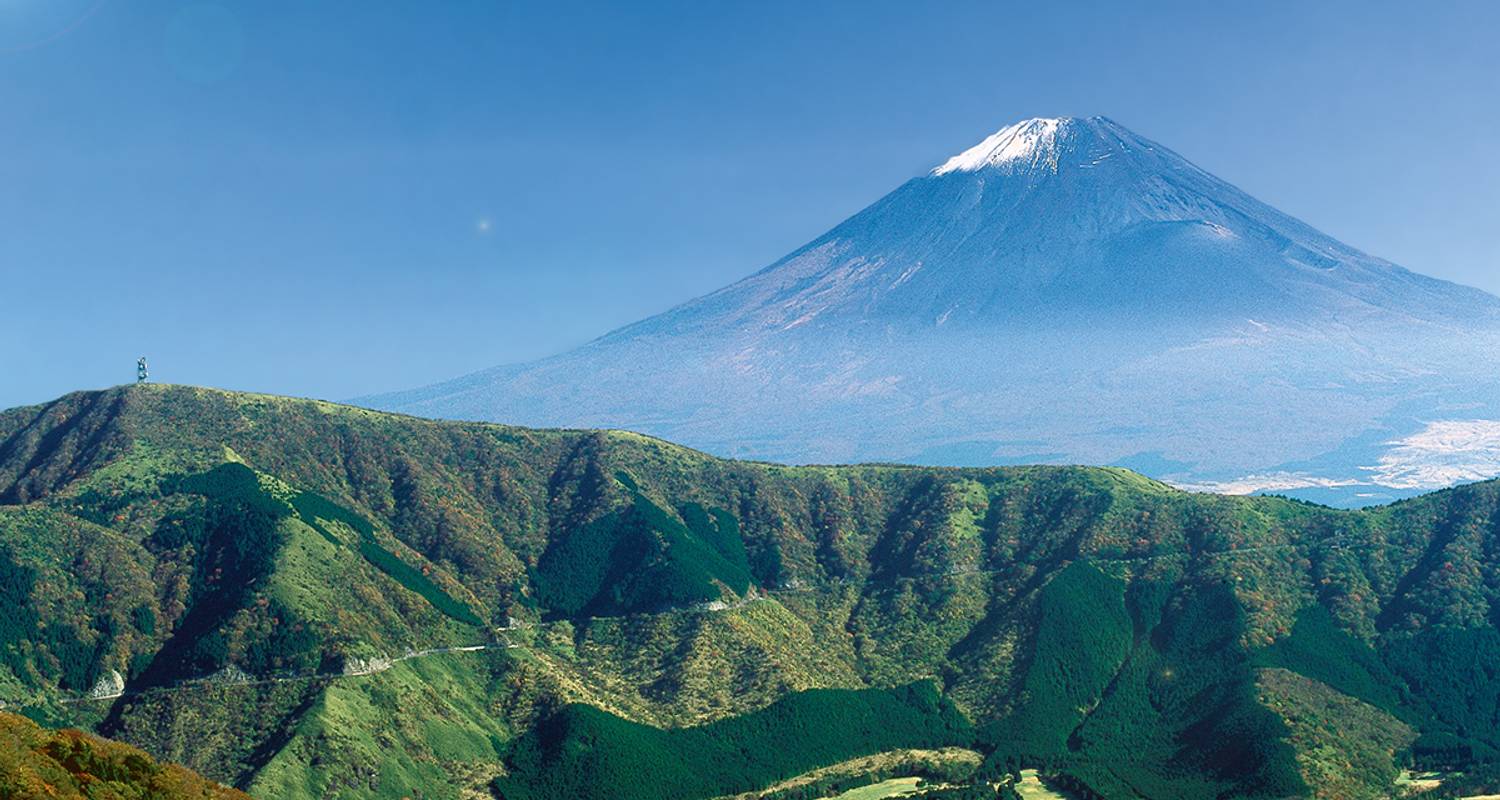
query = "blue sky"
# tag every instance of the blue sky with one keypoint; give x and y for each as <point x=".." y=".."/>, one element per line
<point x="336" y="198"/>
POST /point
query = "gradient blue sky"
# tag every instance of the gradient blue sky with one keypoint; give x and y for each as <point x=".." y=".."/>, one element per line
<point x="336" y="198"/>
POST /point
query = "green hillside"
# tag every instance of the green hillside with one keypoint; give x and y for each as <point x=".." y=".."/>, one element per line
<point x="72" y="765"/>
<point x="310" y="600"/>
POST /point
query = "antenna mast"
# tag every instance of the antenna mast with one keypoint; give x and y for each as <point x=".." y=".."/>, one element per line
<point x="140" y="371"/>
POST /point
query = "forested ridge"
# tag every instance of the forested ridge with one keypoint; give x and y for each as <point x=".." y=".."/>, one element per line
<point x="251" y="565"/>
<point x="72" y="765"/>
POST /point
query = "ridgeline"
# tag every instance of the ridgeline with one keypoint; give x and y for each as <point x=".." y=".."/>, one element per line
<point x="731" y="624"/>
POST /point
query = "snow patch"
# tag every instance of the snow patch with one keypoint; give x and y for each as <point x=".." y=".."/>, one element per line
<point x="906" y="274"/>
<point x="803" y="320"/>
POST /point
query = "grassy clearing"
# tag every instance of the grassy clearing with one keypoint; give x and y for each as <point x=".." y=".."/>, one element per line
<point x="1031" y="787"/>
<point x="1409" y="782"/>
<point x="895" y="787"/>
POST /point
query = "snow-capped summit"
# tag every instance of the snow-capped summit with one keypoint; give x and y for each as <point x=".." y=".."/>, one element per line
<point x="1050" y="142"/>
<point x="1062" y="219"/>
<point x="1029" y="141"/>
<point x="1064" y="290"/>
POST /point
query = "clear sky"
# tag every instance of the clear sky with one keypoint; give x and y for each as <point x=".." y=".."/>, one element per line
<point x="335" y="198"/>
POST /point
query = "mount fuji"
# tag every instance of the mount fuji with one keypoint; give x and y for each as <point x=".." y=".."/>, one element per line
<point x="1064" y="291"/>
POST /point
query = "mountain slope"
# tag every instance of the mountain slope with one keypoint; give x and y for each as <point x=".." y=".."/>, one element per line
<point x="303" y="600"/>
<point x="36" y="763"/>
<point x="1065" y="291"/>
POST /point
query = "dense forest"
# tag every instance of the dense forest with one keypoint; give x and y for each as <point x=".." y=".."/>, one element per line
<point x="583" y="752"/>
<point x="304" y="599"/>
